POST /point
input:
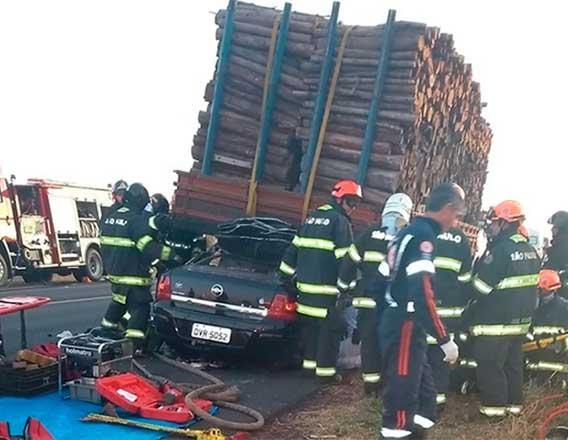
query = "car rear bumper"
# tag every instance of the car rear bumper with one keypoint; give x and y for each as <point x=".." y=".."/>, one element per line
<point x="174" y="324"/>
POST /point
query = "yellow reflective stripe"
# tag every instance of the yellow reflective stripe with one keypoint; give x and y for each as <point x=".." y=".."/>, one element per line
<point x="548" y="366"/>
<point x="287" y="269"/>
<point x="343" y="285"/>
<point x="325" y="208"/>
<point x="143" y="242"/>
<point x="499" y="330"/>
<point x="317" y="289"/>
<point x="373" y="257"/>
<point x="127" y="316"/>
<point x="116" y="241"/>
<point x="371" y="377"/>
<point x="130" y="280"/>
<point x="362" y="302"/>
<point x="448" y="264"/>
<point x="314" y="312"/>
<point x="547" y="330"/>
<point x="514" y="409"/>
<point x="518" y="238"/>
<point x="166" y="253"/>
<point x="441" y="398"/>
<point x="121" y="299"/>
<point x="309" y="365"/>
<point x="518" y="282"/>
<point x="493" y="411"/>
<point x="152" y="223"/>
<point x="354" y="253"/>
<point x="136" y="334"/>
<point x="108" y="324"/>
<point x="123" y="209"/>
<point x="314" y="243"/>
<point x="325" y="372"/>
<point x="465" y="277"/>
<point x="341" y="252"/>
<point x="430" y="340"/>
<point x="450" y="312"/>
<point x="481" y="286"/>
<point x="468" y="363"/>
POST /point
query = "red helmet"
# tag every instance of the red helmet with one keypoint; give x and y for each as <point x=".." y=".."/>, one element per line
<point x="549" y="281"/>
<point x="347" y="188"/>
<point x="510" y="211"/>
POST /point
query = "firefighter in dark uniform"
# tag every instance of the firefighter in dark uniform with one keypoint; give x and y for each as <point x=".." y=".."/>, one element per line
<point x="504" y="290"/>
<point x="360" y="265"/>
<point x="312" y="261"/>
<point x="118" y="194"/>
<point x="453" y="273"/>
<point x="129" y="247"/>
<point x="556" y="257"/>
<point x="550" y="320"/>
<point x="410" y="314"/>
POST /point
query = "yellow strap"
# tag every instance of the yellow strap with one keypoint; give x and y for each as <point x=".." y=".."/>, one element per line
<point x="253" y="184"/>
<point x="323" y="127"/>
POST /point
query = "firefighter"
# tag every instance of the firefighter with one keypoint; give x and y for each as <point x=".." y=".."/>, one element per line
<point x="453" y="272"/>
<point x="556" y="257"/>
<point x="410" y="314"/>
<point x="313" y="260"/>
<point x="550" y="320"/>
<point x="129" y="247"/>
<point x="504" y="290"/>
<point x="364" y="256"/>
<point x="118" y="194"/>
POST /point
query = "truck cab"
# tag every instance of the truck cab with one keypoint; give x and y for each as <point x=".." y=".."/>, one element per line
<point x="49" y="227"/>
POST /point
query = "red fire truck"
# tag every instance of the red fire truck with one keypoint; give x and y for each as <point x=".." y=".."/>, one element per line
<point x="49" y="227"/>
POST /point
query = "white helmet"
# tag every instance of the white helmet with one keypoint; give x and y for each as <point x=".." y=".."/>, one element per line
<point x="400" y="204"/>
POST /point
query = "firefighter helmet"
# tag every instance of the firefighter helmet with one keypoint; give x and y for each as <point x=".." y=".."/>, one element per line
<point x="137" y="196"/>
<point x="160" y="204"/>
<point x="345" y="188"/>
<point x="510" y="211"/>
<point x="549" y="281"/>
<point x="560" y="220"/>
<point x="120" y="186"/>
<point x="400" y="204"/>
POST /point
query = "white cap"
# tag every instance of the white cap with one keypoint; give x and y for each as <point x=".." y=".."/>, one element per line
<point x="399" y="203"/>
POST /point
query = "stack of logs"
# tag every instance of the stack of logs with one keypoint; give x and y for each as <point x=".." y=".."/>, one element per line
<point x="429" y="123"/>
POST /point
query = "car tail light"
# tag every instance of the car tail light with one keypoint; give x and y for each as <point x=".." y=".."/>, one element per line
<point x="164" y="289"/>
<point x="282" y="308"/>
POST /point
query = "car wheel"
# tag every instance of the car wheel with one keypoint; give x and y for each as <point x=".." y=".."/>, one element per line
<point x="94" y="269"/>
<point x="4" y="271"/>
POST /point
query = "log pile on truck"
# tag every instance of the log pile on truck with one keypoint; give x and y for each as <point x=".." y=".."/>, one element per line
<point x="394" y="106"/>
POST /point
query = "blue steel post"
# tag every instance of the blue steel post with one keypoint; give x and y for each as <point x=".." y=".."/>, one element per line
<point x="371" y="128"/>
<point x="321" y="97"/>
<point x="222" y="66"/>
<point x="267" y="111"/>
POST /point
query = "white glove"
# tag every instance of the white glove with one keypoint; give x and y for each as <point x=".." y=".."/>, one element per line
<point x="451" y="352"/>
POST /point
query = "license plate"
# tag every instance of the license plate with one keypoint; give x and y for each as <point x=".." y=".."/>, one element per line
<point x="211" y="333"/>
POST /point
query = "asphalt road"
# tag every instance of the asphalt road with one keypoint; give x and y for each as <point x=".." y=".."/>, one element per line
<point x="73" y="306"/>
<point x="77" y="307"/>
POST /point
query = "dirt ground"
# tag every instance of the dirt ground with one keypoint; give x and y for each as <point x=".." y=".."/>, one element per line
<point x="341" y="412"/>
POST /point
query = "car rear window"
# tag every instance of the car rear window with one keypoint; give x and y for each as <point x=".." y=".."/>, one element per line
<point x="235" y="263"/>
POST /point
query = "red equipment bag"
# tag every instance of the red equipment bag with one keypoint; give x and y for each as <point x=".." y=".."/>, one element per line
<point x="137" y="396"/>
<point x="50" y="350"/>
<point x="34" y="430"/>
<point x="5" y="431"/>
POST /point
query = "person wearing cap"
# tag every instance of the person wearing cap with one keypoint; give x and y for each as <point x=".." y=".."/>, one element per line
<point x="311" y="266"/>
<point x="504" y="296"/>
<point x="409" y="400"/>
<point x="550" y="321"/>
<point x="453" y="273"/>
<point x="359" y="270"/>
<point x="118" y="194"/>
<point x="556" y="256"/>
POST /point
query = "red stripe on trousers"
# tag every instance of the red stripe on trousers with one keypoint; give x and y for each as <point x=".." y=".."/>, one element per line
<point x="404" y="347"/>
<point x="429" y="294"/>
<point x="400" y="419"/>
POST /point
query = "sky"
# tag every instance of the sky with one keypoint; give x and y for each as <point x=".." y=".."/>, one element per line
<point x="92" y="91"/>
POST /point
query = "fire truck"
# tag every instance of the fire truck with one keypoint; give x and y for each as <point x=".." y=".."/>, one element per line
<point x="49" y="227"/>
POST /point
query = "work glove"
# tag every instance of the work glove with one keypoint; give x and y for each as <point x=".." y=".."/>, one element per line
<point x="451" y="351"/>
